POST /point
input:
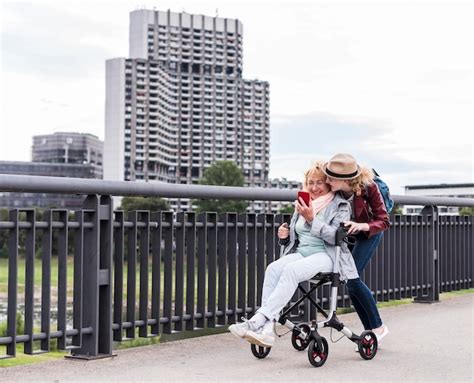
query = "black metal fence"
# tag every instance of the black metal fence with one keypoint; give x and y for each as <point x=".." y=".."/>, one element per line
<point x="161" y="272"/>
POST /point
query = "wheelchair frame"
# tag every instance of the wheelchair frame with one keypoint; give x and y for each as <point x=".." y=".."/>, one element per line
<point x="304" y="336"/>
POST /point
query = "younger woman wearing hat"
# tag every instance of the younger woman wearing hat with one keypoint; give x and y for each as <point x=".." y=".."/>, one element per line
<point x="369" y="220"/>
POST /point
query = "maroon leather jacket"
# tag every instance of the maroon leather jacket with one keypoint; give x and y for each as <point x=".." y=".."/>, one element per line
<point x="370" y="208"/>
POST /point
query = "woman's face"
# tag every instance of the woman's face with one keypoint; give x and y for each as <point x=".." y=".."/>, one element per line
<point x="317" y="186"/>
<point x="338" y="185"/>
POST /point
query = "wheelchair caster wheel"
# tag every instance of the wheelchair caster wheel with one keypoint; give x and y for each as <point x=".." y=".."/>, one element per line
<point x="260" y="352"/>
<point x="317" y="357"/>
<point x="298" y="343"/>
<point x="368" y="345"/>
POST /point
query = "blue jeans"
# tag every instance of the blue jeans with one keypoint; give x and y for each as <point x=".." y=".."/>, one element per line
<point x="361" y="297"/>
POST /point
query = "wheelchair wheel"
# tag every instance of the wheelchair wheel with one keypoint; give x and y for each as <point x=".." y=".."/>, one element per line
<point x="368" y="345"/>
<point x="316" y="356"/>
<point x="260" y="352"/>
<point x="298" y="343"/>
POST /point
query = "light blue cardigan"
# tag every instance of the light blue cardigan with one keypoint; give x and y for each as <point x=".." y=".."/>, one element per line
<point x="339" y="210"/>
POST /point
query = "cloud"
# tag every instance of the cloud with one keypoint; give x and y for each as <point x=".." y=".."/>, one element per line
<point x="296" y="141"/>
<point x="61" y="44"/>
<point x="323" y="133"/>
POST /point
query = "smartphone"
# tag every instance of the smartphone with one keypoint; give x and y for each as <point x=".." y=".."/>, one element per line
<point x="304" y="196"/>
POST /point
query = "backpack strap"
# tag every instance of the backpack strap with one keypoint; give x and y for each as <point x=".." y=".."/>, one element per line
<point x="366" y="197"/>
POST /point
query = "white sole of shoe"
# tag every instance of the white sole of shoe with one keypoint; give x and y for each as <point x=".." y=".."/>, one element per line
<point x="254" y="340"/>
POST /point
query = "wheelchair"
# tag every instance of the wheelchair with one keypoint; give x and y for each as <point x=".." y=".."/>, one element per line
<point x="305" y="336"/>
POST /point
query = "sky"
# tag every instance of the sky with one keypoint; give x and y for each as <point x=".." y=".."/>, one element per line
<point x="387" y="81"/>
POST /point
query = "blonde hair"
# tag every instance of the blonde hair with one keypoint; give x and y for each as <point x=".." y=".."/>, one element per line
<point x="365" y="178"/>
<point x="316" y="170"/>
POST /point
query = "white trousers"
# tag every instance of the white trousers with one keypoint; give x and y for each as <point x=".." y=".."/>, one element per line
<point x="283" y="276"/>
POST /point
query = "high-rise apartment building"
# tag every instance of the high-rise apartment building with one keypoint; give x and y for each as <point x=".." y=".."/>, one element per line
<point x="180" y="103"/>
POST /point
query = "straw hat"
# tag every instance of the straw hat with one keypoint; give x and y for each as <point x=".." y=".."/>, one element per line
<point x="342" y="166"/>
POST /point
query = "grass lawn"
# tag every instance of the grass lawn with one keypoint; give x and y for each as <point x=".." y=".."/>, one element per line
<point x="54" y="276"/>
<point x="22" y="359"/>
<point x="37" y="274"/>
<point x="70" y="279"/>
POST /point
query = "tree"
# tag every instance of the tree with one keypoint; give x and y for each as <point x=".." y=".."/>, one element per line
<point x="222" y="173"/>
<point x="466" y="211"/>
<point x="397" y="209"/>
<point x="287" y="209"/>
<point x="144" y="203"/>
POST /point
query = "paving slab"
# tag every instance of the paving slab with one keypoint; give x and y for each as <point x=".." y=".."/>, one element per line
<point x="427" y="343"/>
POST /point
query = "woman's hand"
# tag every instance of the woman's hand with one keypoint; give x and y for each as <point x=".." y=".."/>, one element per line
<point x="356" y="227"/>
<point x="306" y="211"/>
<point x="283" y="231"/>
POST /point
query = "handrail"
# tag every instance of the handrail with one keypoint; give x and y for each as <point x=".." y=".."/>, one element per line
<point x="84" y="186"/>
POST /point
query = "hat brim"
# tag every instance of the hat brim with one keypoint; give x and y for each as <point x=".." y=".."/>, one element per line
<point x="339" y="176"/>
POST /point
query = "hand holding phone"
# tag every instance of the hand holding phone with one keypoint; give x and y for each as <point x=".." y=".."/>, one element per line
<point x="304" y="195"/>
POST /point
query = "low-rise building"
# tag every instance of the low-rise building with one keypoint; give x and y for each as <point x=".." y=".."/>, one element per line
<point x="461" y="190"/>
<point x="69" y="148"/>
<point x="281" y="183"/>
<point x="44" y="200"/>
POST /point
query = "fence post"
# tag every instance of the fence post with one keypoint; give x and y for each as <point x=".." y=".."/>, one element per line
<point x="97" y="277"/>
<point x="431" y="216"/>
<point x="13" y="216"/>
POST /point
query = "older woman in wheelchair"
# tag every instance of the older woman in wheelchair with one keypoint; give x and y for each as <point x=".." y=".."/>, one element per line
<point x="314" y="249"/>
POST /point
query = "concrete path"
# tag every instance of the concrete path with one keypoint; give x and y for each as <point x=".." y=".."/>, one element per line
<point x="427" y="343"/>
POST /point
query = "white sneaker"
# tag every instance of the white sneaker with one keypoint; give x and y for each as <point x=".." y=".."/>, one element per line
<point x="240" y="329"/>
<point x="264" y="338"/>
<point x="269" y="327"/>
<point x="382" y="335"/>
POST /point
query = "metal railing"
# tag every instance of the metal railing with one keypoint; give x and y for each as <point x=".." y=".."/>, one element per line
<point x="161" y="272"/>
